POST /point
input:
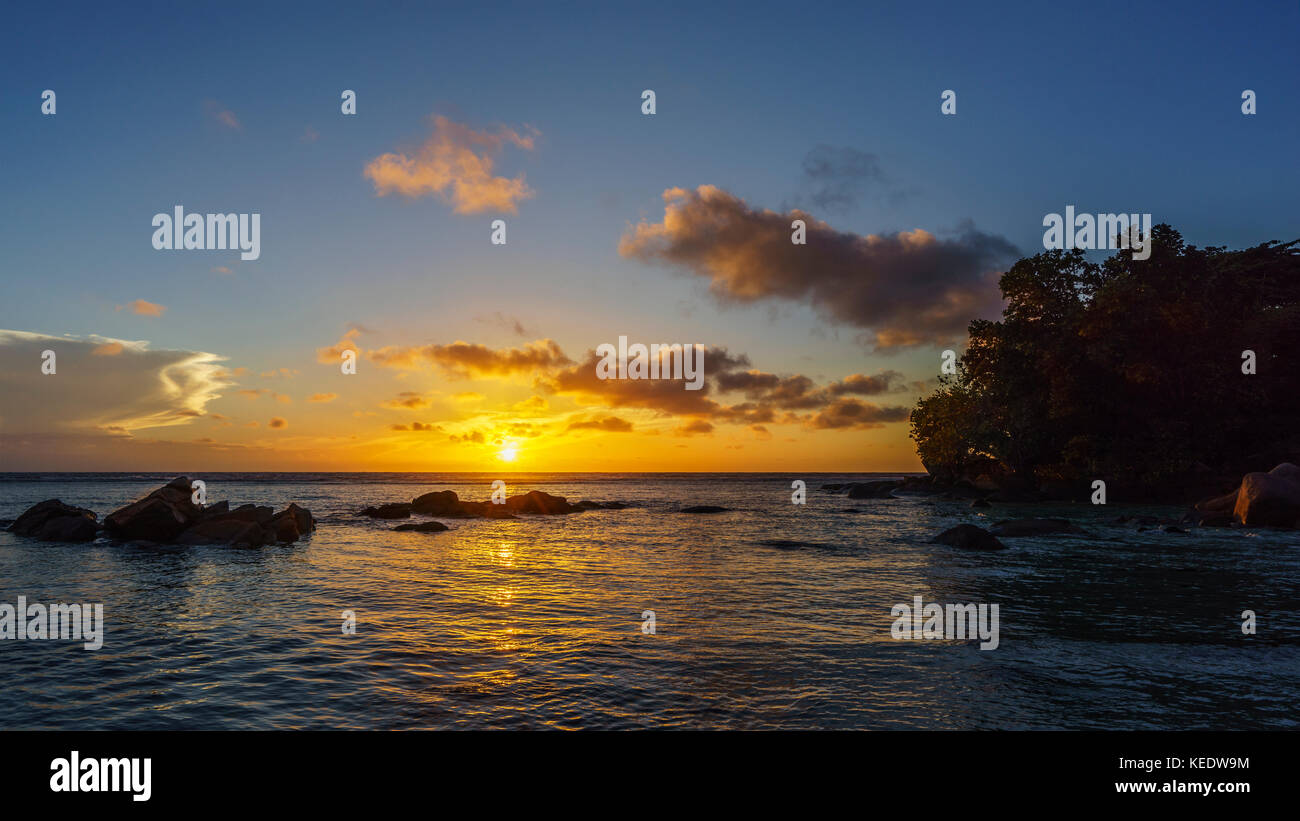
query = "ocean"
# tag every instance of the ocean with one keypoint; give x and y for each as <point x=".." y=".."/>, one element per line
<point x="771" y="615"/>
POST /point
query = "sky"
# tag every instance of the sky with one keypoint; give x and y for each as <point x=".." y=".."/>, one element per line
<point x="673" y="227"/>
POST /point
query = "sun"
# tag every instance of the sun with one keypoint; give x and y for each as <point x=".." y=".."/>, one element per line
<point x="508" y="454"/>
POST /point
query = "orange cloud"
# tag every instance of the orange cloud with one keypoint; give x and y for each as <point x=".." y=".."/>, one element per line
<point x="455" y="164"/>
<point x="144" y="308"/>
<point x="322" y="397"/>
<point x="333" y="354"/>
<point x="463" y="360"/>
<point x="277" y="422"/>
<point x="108" y="349"/>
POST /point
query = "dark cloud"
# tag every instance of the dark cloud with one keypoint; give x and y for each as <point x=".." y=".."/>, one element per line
<point x="905" y="290"/>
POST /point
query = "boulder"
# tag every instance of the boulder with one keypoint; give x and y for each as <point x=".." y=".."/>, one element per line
<point x="873" y="490"/>
<point x="535" y="501"/>
<point x="1269" y="499"/>
<point x="1218" y="504"/>
<point x="438" y="503"/>
<point x="1014" y="528"/>
<point x="257" y="514"/>
<point x="969" y="537"/>
<point x="396" y="510"/>
<point x="484" y="510"/>
<point x="159" y="517"/>
<point x="980" y="503"/>
<point x="54" y="521"/>
<point x="423" y="527"/>
<point x="225" y="531"/>
<point x="301" y="517"/>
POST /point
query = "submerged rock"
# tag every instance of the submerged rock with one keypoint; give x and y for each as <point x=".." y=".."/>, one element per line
<point x="969" y="537"/>
<point x="54" y="521"/>
<point x="705" y="509"/>
<point x="873" y="490"/>
<point x="423" y="527"/>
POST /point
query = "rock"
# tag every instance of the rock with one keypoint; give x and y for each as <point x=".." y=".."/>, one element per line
<point x="303" y="521"/>
<point x="1212" y="519"/>
<point x="1174" y="529"/>
<point x="981" y="503"/>
<point x="969" y="537"/>
<point x="216" y="509"/>
<point x="54" y="521"/>
<point x="1014" y="528"/>
<point x="423" y="527"/>
<point x="1269" y="499"/>
<point x="438" y="503"/>
<point x="396" y="510"/>
<point x="484" y="510"/>
<point x="535" y="501"/>
<point x="1218" y="504"/>
<point x="704" y="509"/>
<point x="225" y="531"/>
<point x="244" y="513"/>
<point x="873" y="490"/>
<point x="159" y="517"/>
<point x="587" y="504"/>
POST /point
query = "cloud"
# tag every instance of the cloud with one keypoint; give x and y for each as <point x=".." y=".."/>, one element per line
<point x="407" y="400"/>
<point x="839" y="176"/>
<point x="854" y="413"/>
<point x="455" y="164"/>
<point x="694" y="427"/>
<point x="608" y="424"/>
<point x="144" y="308"/>
<point x="277" y="422"/>
<point x="906" y="289"/>
<point x="322" y="397"/>
<point x="222" y="115"/>
<point x="883" y="382"/>
<point x="464" y="360"/>
<point x="134" y="388"/>
<point x="333" y="354"/>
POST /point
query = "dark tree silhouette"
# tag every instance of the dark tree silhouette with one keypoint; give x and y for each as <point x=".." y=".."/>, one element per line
<point x="1129" y="369"/>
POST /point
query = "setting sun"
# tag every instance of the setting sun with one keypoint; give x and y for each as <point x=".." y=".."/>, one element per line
<point x="508" y="453"/>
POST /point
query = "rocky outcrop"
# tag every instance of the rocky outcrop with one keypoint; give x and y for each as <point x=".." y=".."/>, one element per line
<point x="53" y="521"/>
<point x="1269" y="499"/>
<point x="445" y="504"/>
<point x="169" y="515"/>
<point x="535" y="501"/>
<point x="438" y="503"/>
<point x="969" y="537"/>
<point x="159" y="517"/>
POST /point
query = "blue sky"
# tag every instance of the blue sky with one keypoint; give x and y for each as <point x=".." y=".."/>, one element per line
<point x="1109" y="108"/>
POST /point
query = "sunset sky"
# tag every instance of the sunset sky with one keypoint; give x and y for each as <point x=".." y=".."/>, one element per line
<point x="669" y="228"/>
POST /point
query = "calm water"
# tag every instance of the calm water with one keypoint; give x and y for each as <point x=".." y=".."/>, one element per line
<point x="536" y="623"/>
